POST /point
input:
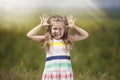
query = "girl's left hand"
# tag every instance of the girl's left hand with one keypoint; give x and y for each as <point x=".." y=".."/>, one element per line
<point x="71" y="21"/>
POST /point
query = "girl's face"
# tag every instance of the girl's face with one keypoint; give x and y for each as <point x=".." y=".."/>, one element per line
<point x="57" y="30"/>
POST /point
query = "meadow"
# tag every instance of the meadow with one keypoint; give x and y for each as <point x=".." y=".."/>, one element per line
<point x="96" y="58"/>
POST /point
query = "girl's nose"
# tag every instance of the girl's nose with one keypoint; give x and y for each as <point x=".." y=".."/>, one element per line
<point x="57" y="31"/>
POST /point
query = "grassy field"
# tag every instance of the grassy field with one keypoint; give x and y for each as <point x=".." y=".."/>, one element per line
<point x="96" y="58"/>
<point x="19" y="72"/>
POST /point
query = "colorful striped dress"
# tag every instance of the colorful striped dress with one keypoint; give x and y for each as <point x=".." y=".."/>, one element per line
<point x="58" y="63"/>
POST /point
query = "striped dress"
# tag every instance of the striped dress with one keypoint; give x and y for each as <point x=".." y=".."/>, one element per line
<point x="58" y="63"/>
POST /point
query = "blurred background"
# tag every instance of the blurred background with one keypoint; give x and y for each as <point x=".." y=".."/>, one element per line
<point x="100" y="53"/>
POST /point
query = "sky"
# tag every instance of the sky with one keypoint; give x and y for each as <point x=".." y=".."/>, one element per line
<point x="15" y="4"/>
<point x="109" y="3"/>
<point x="46" y="3"/>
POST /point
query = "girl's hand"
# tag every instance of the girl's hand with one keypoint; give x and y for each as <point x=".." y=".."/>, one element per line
<point x="71" y="21"/>
<point x="44" y="18"/>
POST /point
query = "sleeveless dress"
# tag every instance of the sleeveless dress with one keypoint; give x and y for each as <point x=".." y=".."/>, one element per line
<point x="58" y="63"/>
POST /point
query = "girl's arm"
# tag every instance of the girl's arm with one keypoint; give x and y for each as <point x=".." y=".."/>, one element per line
<point x="81" y="33"/>
<point x="33" y="34"/>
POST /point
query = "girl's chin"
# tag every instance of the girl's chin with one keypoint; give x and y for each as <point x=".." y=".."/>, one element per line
<point x="57" y="38"/>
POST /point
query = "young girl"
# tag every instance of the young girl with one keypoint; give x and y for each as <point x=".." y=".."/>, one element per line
<point x="58" y="44"/>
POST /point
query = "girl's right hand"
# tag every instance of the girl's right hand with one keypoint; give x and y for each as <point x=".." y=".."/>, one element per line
<point x="44" y="18"/>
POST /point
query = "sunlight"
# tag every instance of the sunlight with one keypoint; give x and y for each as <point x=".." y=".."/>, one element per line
<point x="17" y="4"/>
<point x="14" y="4"/>
<point x="16" y="8"/>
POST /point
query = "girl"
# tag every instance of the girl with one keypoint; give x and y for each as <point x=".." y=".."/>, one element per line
<point x="58" y="44"/>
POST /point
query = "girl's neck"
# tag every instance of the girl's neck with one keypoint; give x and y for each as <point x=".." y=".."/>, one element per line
<point x="57" y="39"/>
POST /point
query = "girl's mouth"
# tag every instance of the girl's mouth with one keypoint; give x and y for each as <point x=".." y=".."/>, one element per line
<point x="55" y="35"/>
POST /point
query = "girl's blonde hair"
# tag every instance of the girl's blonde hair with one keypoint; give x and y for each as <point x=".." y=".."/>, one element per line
<point x="66" y="37"/>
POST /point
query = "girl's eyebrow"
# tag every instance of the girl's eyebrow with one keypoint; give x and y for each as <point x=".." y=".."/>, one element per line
<point x="54" y="28"/>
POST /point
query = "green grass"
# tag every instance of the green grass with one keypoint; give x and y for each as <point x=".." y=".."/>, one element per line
<point x="19" y="72"/>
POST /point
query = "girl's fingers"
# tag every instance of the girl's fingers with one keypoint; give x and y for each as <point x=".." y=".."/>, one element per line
<point x="44" y="17"/>
<point x="70" y="17"/>
<point x="67" y="18"/>
<point x="47" y="17"/>
<point x="40" y="18"/>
